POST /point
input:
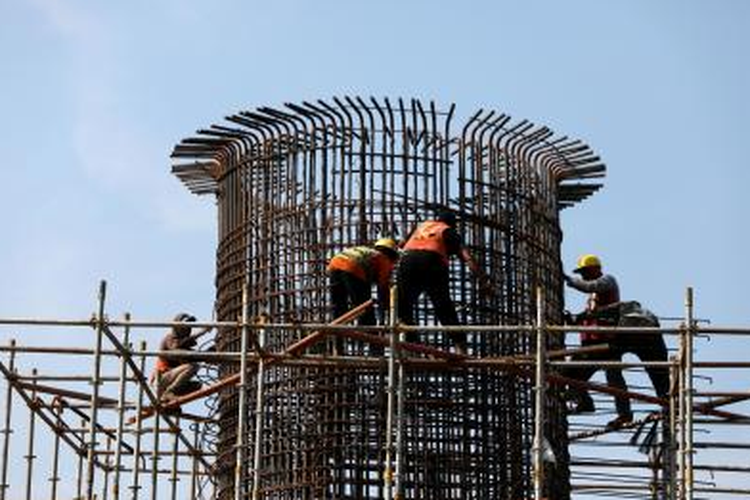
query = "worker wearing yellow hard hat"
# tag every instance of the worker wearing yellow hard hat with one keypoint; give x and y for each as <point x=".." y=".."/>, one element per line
<point x="603" y="291"/>
<point x="606" y="308"/>
<point x="354" y="271"/>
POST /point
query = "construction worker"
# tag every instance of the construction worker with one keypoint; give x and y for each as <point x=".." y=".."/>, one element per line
<point x="603" y="291"/>
<point x="174" y="374"/>
<point x="352" y="274"/>
<point x="424" y="268"/>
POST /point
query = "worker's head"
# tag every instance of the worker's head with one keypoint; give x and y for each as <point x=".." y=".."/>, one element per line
<point x="387" y="246"/>
<point x="447" y="217"/>
<point x="589" y="266"/>
<point x="179" y="330"/>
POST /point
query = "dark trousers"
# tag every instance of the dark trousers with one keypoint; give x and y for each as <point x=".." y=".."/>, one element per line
<point x="614" y="376"/>
<point x="347" y="292"/>
<point x="425" y="272"/>
<point x="647" y="347"/>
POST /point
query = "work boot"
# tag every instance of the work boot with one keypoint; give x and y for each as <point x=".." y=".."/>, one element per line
<point x="619" y="422"/>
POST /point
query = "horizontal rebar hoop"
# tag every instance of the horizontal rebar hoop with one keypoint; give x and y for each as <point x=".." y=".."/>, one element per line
<point x="296" y="185"/>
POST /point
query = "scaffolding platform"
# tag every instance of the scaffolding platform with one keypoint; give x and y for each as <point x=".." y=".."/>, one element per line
<point x="72" y="432"/>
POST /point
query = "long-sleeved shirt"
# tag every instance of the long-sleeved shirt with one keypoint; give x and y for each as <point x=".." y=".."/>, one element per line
<point x="604" y="289"/>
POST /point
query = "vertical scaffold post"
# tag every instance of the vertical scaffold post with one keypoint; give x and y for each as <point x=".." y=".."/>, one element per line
<point x="55" y="479"/>
<point x="259" y="403"/>
<point x="539" y="398"/>
<point x="6" y="426"/>
<point x="400" y="397"/>
<point x="174" y="479"/>
<point x="680" y="420"/>
<point x="121" y="408"/>
<point x="107" y="469"/>
<point x="388" y="469"/>
<point x="95" y="382"/>
<point x="155" y="456"/>
<point x="194" y="461"/>
<point x="239" y="466"/>
<point x="136" y="486"/>
<point x="79" y="469"/>
<point x="689" y="336"/>
<point x="670" y="467"/>
<point x="30" y="456"/>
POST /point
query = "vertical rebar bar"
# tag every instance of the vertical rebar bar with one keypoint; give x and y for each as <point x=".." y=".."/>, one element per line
<point x="30" y="447"/>
<point x="95" y="382"/>
<point x="240" y="466"/>
<point x="259" y="414"/>
<point x="121" y="408"/>
<point x="539" y="392"/>
<point x="689" y="334"/>
<point x="136" y="486"/>
<point x="4" y="486"/>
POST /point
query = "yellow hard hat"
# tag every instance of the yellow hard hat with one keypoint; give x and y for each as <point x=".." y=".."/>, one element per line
<point x="387" y="244"/>
<point x="588" y="260"/>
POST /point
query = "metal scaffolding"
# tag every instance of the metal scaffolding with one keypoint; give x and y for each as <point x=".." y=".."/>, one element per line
<point x="62" y="441"/>
<point x="284" y="415"/>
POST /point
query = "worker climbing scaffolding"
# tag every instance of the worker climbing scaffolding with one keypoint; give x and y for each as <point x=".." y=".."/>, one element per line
<point x="424" y="268"/>
<point x="603" y="290"/>
<point x="604" y="308"/>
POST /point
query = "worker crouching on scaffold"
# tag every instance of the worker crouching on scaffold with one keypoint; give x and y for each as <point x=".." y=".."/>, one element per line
<point x="173" y="374"/>
<point x="353" y="272"/>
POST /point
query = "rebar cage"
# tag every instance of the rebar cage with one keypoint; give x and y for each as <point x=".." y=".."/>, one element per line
<point x="297" y="184"/>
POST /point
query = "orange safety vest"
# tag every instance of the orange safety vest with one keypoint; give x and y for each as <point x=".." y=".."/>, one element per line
<point x="162" y="365"/>
<point x="355" y="260"/>
<point x="429" y="237"/>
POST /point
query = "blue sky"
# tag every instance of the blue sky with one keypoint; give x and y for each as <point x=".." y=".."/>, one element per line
<point x="95" y="94"/>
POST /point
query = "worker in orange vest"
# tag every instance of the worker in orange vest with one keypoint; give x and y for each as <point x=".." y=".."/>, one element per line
<point x="424" y="268"/>
<point x="352" y="273"/>
<point x="603" y="291"/>
<point x="173" y="374"/>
